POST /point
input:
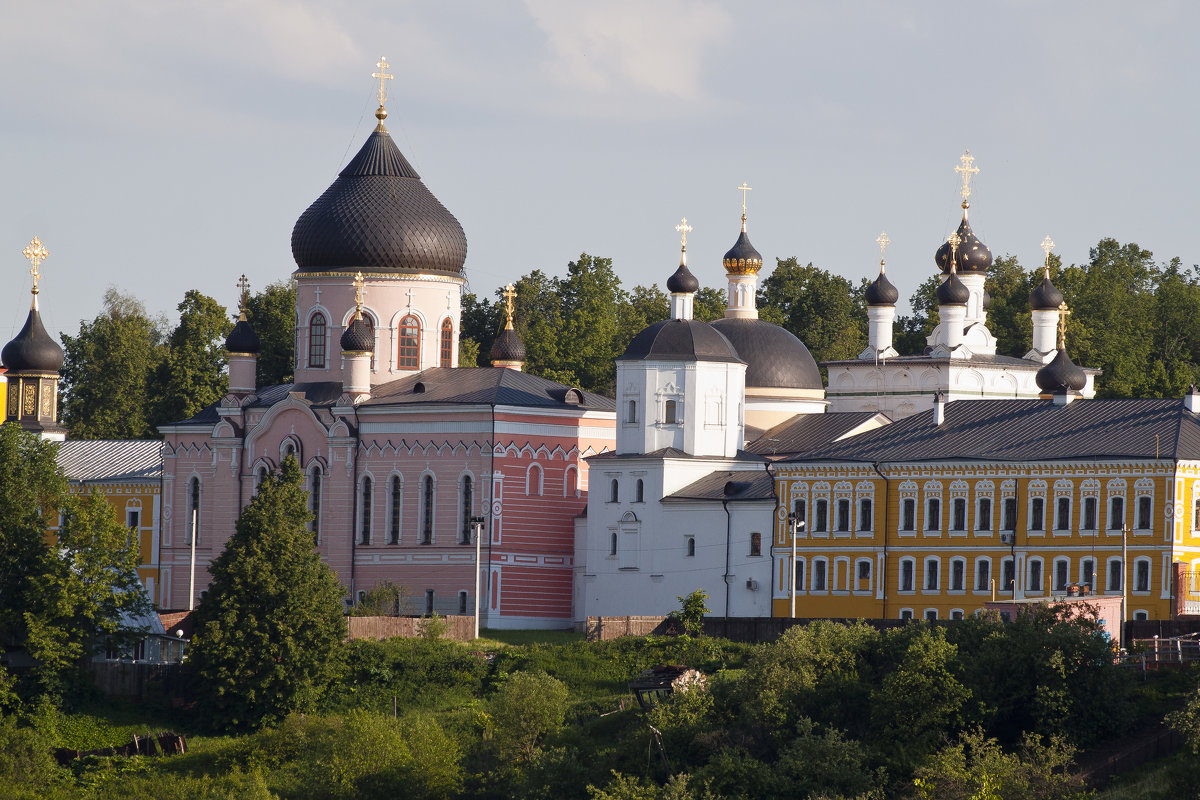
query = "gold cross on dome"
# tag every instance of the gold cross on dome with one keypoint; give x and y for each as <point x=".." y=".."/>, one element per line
<point x="1063" y="313"/>
<point x="883" y="241"/>
<point x="684" y="229"/>
<point x="244" y="297"/>
<point x="1047" y="246"/>
<point x="36" y="252"/>
<point x="966" y="169"/>
<point x="358" y="294"/>
<point x="382" y="75"/>
<point x="743" y="189"/>
<point x="509" y="294"/>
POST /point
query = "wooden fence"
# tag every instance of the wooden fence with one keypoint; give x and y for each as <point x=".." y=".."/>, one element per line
<point x="137" y="679"/>
<point x="458" y="628"/>
<point x="738" y="629"/>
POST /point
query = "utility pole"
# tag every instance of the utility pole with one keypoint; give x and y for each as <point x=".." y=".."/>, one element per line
<point x="477" y="532"/>
<point x="1124" y="578"/>
<point x="192" y="559"/>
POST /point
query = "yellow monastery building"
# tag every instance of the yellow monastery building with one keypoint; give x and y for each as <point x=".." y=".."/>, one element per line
<point x="934" y="515"/>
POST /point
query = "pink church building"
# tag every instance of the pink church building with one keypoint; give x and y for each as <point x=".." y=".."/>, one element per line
<point x="401" y="447"/>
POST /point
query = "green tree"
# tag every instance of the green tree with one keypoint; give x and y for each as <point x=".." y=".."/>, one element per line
<point x="107" y="376"/>
<point x="709" y="304"/>
<point x="1008" y="317"/>
<point x="691" y="612"/>
<point x="537" y="317"/>
<point x="591" y="295"/>
<point x="481" y="321"/>
<point x="272" y="616"/>
<point x="192" y="375"/>
<point x="526" y="708"/>
<point x="272" y="313"/>
<point x="912" y="332"/>
<point x="824" y="310"/>
<point x="976" y="768"/>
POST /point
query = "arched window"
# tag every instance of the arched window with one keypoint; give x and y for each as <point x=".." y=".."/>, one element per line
<point x="631" y="411"/>
<point x="394" y="522"/>
<point x="691" y="546"/>
<point x="193" y="522"/>
<point x="447" y="348"/>
<point x="316" y="341"/>
<point x="365" y="518"/>
<point x="314" y="498"/>
<point x="408" y="354"/>
<point x="259" y="477"/>
<point x="570" y="482"/>
<point x="464" y="536"/>
<point x="756" y="544"/>
<point x="614" y="493"/>
<point x="427" y="510"/>
<point x="669" y="412"/>
<point x="639" y="492"/>
<point x="533" y="480"/>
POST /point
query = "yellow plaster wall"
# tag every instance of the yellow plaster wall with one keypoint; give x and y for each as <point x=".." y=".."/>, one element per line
<point x="146" y="495"/>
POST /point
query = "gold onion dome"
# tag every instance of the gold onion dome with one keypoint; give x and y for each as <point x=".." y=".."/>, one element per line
<point x="742" y="258"/>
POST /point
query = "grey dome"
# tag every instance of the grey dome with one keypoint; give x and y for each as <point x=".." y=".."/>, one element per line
<point x="972" y="254"/>
<point x="1045" y="297"/>
<point x="1061" y="373"/>
<point x="774" y="357"/>
<point x="378" y="215"/>
<point x="953" y="292"/>
<point x="508" y="347"/>
<point x="682" y="281"/>
<point x="881" y="292"/>
<point x="243" y="339"/>
<point x="680" y="340"/>
<point x="32" y="350"/>
<point x="358" y="337"/>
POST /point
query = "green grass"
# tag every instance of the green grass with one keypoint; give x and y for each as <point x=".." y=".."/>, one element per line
<point x="495" y="638"/>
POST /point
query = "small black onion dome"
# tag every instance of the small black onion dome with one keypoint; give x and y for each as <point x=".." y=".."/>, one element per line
<point x="742" y="258"/>
<point x="680" y="340"/>
<point x="378" y="215"/>
<point x="1061" y="373"/>
<point x="682" y="281"/>
<point x="953" y="292"/>
<point x="33" y="350"/>
<point x="243" y="339"/>
<point x="1045" y="297"/>
<point x="881" y="292"/>
<point x="507" y="347"/>
<point x="774" y="357"/>
<point x="358" y="337"/>
<point x="973" y="255"/>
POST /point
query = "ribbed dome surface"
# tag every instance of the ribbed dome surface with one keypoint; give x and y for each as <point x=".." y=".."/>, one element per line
<point x="32" y="350"/>
<point x="1061" y="373"/>
<point x="881" y="292"/>
<point x="973" y="255"/>
<point x="953" y="292"/>
<point x="358" y="337"/>
<point x="508" y="347"/>
<point x="243" y="339"/>
<point x="1045" y="297"/>
<point x="774" y="357"/>
<point x="378" y="215"/>
<point x="682" y="281"/>
<point x="742" y="258"/>
<point x="680" y="340"/>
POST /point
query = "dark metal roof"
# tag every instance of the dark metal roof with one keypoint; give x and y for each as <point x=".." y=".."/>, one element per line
<point x="32" y="350"/>
<point x="243" y="339"/>
<point x="676" y="453"/>
<point x="972" y="254"/>
<point x="680" y="340"/>
<point x="976" y="358"/>
<point x="479" y="385"/>
<point x="806" y="432"/>
<point x="728" y="485"/>
<point x="378" y="215"/>
<point x="774" y="357"/>
<point x="1029" y="430"/>
<point x="107" y="460"/>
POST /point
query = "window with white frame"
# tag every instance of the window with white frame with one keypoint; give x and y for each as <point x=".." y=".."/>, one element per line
<point x="933" y="577"/>
<point x="1008" y="574"/>
<point x="1115" y="490"/>
<point x="907" y="568"/>
<point x="906" y="614"/>
<point x="820" y="567"/>
<point x="862" y="575"/>
<point x="1088" y="523"/>
<point x="1087" y="572"/>
<point x="959" y="517"/>
<point x="533" y="480"/>
<point x="427" y="500"/>
<point x="314" y="502"/>
<point x="1009" y="523"/>
<point x="1062" y="513"/>
<point x="800" y="567"/>
<point x="466" y="503"/>
<point x="1141" y="615"/>
<point x="690" y="549"/>
<point x="956" y="613"/>
<point x="366" y="496"/>
<point x="864" y="514"/>
<point x="1141" y="575"/>
<point x="983" y="574"/>
<point x="983" y="514"/>
<point x="1115" y="572"/>
<point x="908" y="514"/>
<point x="395" y="508"/>
<point x="958" y="574"/>
<point x="1033" y="568"/>
<point x="1037" y="505"/>
<point x="821" y="523"/>
<point x="1062" y="570"/>
<point x="1143" y="513"/>
<point x="933" y="515"/>
<point x="631" y="415"/>
<point x="639" y="491"/>
<point x="931" y="614"/>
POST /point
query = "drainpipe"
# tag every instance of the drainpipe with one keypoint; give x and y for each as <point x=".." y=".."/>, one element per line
<point x="354" y="497"/>
<point x="771" y="602"/>
<point x="728" y="545"/>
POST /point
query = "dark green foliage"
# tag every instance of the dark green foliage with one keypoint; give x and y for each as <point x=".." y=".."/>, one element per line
<point x="191" y="374"/>
<point x="975" y="767"/>
<point x="525" y="709"/>
<point x="272" y="313"/>
<point x="824" y="310"/>
<point x="691" y="612"/>
<point x="272" y="617"/>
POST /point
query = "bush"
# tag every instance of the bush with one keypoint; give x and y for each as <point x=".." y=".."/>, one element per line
<point x="25" y="761"/>
<point x="527" y="707"/>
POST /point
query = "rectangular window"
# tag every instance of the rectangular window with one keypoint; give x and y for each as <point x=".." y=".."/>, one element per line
<point x="909" y="515"/>
<point x="1143" y="520"/>
<point x="1035" y="576"/>
<point x="1036" y="514"/>
<point x="819" y="575"/>
<point x="864" y="515"/>
<point x="1089" y="513"/>
<point x="1009" y="574"/>
<point x="984" y="523"/>
<point x="799" y="510"/>
<point x="931" y="575"/>
<point x="1089" y="573"/>
<point x="960" y="513"/>
<point x="843" y="512"/>
<point x="428" y="602"/>
<point x="1060" y="575"/>
<point x="462" y="602"/>
<point x="133" y="519"/>
<point x="1114" y="576"/>
<point x="822" y="520"/>
<point x="906" y="575"/>
<point x="958" y="575"/>
<point x="906" y="614"/>
<point x="983" y="575"/>
<point x="1062" y="521"/>
<point x="1010" y="513"/>
<point x="1142" y="579"/>
<point x="956" y="614"/>
<point x="933" y="514"/>
<point x="864" y="575"/>
<point x="799" y="574"/>
<point x="1116" y="513"/>
<point x="931" y="614"/>
<point x="1196" y="516"/>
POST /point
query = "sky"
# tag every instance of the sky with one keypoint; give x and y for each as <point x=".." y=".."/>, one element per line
<point x="158" y="147"/>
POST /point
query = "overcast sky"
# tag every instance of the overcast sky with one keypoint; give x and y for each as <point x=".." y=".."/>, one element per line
<point x="163" y="146"/>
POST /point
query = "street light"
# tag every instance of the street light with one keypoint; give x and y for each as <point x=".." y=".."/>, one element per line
<point x="796" y="524"/>
<point x="477" y="532"/>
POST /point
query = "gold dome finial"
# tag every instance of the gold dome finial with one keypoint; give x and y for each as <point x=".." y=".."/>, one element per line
<point x="358" y="295"/>
<point x="36" y="252"/>
<point x="954" y="241"/>
<point x="1047" y="246"/>
<point x="883" y="241"/>
<point x="509" y="294"/>
<point x="1063" y="313"/>
<point x="684" y="229"/>
<point x="243" y="297"/>
<point x="743" y="189"/>
<point x="966" y="170"/>
<point x="382" y="75"/>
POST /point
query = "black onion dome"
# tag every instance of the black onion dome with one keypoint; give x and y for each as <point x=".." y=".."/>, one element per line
<point x="378" y="215"/>
<point x="1061" y="373"/>
<point x="774" y="357"/>
<point x="680" y="340"/>
<point x="682" y="281"/>
<point x="243" y="339"/>
<point x="881" y="292"/>
<point x="507" y="347"/>
<point x="953" y="292"/>
<point x="973" y="255"/>
<point x="1045" y="296"/>
<point x="358" y="337"/>
<point x="742" y="258"/>
<point x="33" y="350"/>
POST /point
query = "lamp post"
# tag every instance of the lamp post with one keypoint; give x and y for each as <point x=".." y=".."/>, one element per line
<point x="796" y="526"/>
<point x="1124" y="578"/>
<point x="192" y="559"/>
<point x="477" y="532"/>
